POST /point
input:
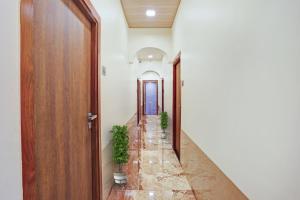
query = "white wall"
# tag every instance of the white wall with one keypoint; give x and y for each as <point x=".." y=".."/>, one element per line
<point x="139" y="38"/>
<point x="10" y="137"/>
<point x="145" y="66"/>
<point x="160" y="38"/>
<point x="167" y="72"/>
<point x="118" y="94"/>
<point x="118" y="86"/>
<point x="241" y="99"/>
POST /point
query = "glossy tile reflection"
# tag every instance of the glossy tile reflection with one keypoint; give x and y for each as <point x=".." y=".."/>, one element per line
<point x="153" y="170"/>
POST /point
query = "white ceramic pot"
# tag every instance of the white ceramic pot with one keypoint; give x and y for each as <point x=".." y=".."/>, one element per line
<point x="120" y="178"/>
<point x="163" y="136"/>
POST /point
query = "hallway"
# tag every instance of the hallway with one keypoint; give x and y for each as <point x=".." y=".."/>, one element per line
<point x="153" y="169"/>
<point x="79" y="76"/>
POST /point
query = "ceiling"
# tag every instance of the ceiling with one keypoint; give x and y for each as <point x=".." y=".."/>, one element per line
<point x="157" y="54"/>
<point x="135" y="10"/>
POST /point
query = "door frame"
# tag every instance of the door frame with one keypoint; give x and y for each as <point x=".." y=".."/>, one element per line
<point x="175" y="107"/>
<point x="144" y="94"/>
<point x="138" y="101"/>
<point x="27" y="97"/>
<point x="163" y="95"/>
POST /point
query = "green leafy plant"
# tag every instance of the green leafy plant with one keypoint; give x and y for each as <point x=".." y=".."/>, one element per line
<point x="164" y="121"/>
<point x="120" y="145"/>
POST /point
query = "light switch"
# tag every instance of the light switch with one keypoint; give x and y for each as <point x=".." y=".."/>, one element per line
<point x="103" y="70"/>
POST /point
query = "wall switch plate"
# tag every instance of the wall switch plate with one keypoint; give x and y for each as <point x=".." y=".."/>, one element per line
<point x="103" y="70"/>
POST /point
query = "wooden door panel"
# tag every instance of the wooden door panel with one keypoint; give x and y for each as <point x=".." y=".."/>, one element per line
<point x="139" y="113"/>
<point x="163" y="95"/>
<point x="178" y="110"/>
<point x="64" y="157"/>
<point x="177" y="106"/>
<point x="62" y="46"/>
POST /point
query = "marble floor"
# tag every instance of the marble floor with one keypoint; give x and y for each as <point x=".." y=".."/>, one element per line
<point x="154" y="172"/>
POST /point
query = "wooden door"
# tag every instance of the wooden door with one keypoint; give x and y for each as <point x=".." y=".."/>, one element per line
<point x="150" y="97"/>
<point x="177" y="106"/>
<point x="163" y="95"/>
<point x="59" y="76"/>
<point x="138" y="101"/>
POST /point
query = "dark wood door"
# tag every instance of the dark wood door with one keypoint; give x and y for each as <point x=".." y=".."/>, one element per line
<point x="163" y="95"/>
<point x="59" y="89"/>
<point x="177" y="106"/>
<point x="138" y="101"/>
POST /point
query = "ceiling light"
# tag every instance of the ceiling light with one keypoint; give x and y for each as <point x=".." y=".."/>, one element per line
<point x="150" y="56"/>
<point x="150" y="13"/>
<point x="151" y="194"/>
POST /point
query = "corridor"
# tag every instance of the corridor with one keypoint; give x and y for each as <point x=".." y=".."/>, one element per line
<point x="153" y="169"/>
<point x="79" y="76"/>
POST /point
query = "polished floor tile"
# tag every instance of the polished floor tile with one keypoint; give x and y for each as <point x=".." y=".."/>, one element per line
<point x="154" y="172"/>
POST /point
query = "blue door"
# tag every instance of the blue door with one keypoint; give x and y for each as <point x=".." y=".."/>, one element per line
<point x="150" y="98"/>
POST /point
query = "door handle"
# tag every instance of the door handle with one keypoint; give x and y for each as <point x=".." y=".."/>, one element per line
<point x="91" y="118"/>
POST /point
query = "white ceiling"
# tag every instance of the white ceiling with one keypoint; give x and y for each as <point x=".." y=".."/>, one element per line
<point x="135" y="10"/>
<point x="143" y="54"/>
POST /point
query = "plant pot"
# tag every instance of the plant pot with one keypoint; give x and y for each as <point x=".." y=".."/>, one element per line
<point x="163" y="135"/>
<point x="120" y="178"/>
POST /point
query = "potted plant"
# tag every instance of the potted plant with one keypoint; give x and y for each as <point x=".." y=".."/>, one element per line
<point x="164" y="123"/>
<point x="120" y="151"/>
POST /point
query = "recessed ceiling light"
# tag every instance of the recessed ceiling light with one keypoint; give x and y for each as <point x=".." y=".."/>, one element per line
<point x="150" y="56"/>
<point x="150" y="13"/>
<point x="151" y="194"/>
